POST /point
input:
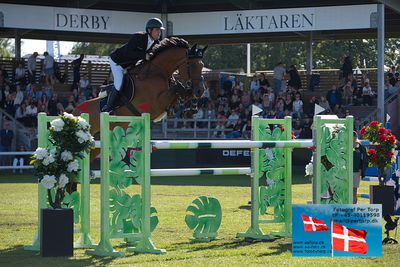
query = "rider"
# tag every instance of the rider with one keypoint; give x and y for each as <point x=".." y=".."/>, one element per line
<point x="137" y="48"/>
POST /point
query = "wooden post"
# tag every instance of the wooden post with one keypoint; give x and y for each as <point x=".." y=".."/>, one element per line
<point x="89" y="71"/>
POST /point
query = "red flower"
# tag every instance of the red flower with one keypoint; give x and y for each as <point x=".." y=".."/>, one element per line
<point x="382" y="137"/>
<point x="378" y="147"/>
<point x="389" y="154"/>
<point x="374" y="157"/>
<point x="362" y="131"/>
<point x="371" y="151"/>
<point x="392" y="139"/>
<point x="313" y="148"/>
<point x="381" y="130"/>
<point x="388" y="131"/>
<point x="373" y="123"/>
<point x="282" y="129"/>
<point x="293" y="137"/>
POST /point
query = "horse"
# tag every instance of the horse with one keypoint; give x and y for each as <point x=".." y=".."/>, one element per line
<point x="155" y="89"/>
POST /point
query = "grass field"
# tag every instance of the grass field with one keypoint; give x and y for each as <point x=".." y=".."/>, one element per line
<point x="171" y="196"/>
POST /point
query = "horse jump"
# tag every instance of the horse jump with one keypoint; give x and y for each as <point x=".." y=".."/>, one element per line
<point x="133" y="218"/>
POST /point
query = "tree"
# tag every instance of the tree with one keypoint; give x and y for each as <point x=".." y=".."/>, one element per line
<point x="100" y="49"/>
<point x="6" y="47"/>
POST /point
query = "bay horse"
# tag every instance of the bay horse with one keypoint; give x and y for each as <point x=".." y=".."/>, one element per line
<point x="155" y="91"/>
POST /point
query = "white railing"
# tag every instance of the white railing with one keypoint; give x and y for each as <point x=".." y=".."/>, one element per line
<point x="11" y="167"/>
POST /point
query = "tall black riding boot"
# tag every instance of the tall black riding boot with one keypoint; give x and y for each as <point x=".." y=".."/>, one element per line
<point x="110" y="101"/>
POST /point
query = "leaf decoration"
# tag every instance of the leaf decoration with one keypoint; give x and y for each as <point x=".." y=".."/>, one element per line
<point x="204" y="215"/>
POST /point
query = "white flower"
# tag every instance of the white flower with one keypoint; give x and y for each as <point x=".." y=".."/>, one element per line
<point x="48" y="181"/>
<point x="82" y="123"/>
<point x="73" y="166"/>
<point x="62" y="180"/>
<point x="68" y="116"/>
<point x="83" y="136"/>
<point x="66" y="155"/>
<point x="49" y="159"/>
<point x="57" y="125"/>
<point x="309" y="169"/>
<point x="53" y="152"/>
<point x="41" y="153"/>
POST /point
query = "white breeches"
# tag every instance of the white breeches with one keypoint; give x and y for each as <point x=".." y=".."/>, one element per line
<point x="118" y="74"/>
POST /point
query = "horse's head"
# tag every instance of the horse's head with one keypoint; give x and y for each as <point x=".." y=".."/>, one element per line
<point x="191" y="72"/>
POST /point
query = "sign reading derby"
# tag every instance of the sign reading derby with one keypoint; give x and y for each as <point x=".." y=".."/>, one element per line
<point x="82" y="20"/>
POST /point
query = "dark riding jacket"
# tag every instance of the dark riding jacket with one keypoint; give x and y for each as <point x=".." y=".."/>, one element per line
<point x="133" y="51"/>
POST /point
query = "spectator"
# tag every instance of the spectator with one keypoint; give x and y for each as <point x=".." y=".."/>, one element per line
<point x="306" y="132"/>
<point x="233" y="119"/>
<point x="288" y="103"/>
<point x="220" y="125"/>
<point x="366" y="94"/>
<point x="280" y="108"/>
<point x="4" y="73"/>
<point x="254" y="85"/>
<point x="324" y="104"/>
<point x="236" y="130"/>
<point x="52" y="105"/>
<point x="60" y="108"/>
<point x="76" y="66"/>
<point x="19" y="96"/>
<point x="279" y="72"/>
<point x="359" y="164"/>
<point x="246" y="130"/>
<point x="20" y="74"/>
<point x="6" y="137"/>
<point x="20" y="113"/>
<point x="332" y="97"/>
<point x="294" y="80"/>
<point x="58" y="75"/>
<point x="298" y="107"/>
<point x="238" y="84"/>
<point x="347" y="67"/>
<point x="348" y="94"/>
<point x="84" y="83"/>
<point x="93" y="94"/>
<point x="31" y="114"/>
<point x="9" y="105"/>
<point x="19" y="158"/>
<point x="31" y="67"/>
<point x="310" y="108"/>
<point x="245" y="99"/>
<point x="264" y="83"/>
<point x="297" y="127"/>
<point x="48" y="68"/>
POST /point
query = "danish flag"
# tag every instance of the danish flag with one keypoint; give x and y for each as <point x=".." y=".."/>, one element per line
<point x="312" y="224"/>
<point x="348" y="239"/>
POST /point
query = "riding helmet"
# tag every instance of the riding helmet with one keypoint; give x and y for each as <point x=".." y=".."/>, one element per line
<point x="154" y="23"/>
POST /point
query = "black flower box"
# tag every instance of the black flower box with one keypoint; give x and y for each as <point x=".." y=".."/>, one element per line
<point x="56" y="233"/>
<point x="383" y="194"/>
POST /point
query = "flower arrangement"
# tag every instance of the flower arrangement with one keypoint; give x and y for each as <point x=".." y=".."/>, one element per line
<point x="58" y="166"/>
<point x="384" y="143"/>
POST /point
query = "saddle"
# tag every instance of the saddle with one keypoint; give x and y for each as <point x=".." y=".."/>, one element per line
<point x="125" y="94"/>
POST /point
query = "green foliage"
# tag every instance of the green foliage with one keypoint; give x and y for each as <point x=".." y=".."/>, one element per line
<point x="326" y="54"/>
<point x="100" y="49"/>
<point x="6" y="47"/>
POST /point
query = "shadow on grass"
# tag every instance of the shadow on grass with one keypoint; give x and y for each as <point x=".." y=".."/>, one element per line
<point x="231" y="244"/>
<point x="17" y="256"/>
<point x="278" y="249"/>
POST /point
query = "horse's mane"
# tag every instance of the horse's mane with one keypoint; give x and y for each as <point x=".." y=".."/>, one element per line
<point x="167" y="43"/>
